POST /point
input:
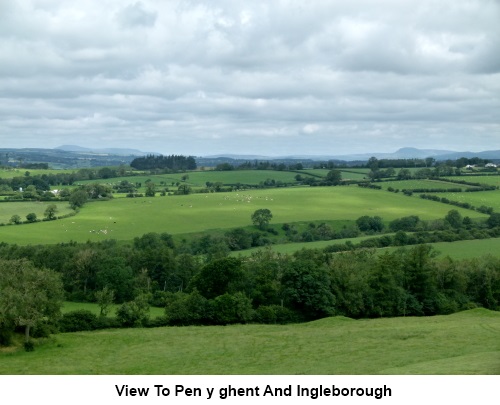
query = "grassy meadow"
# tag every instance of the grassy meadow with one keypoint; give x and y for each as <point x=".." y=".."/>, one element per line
<point x="198" y="179"/>
<point x="69" y="306"/>
<point x="464" y="249"/>
<point x="23" y="208"/>
<point x="126" y="218"/>
<point x="462" y="343"/>
<point x="477" y="199"/>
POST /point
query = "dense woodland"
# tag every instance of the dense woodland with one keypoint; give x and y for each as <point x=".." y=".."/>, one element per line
<point x="172" y="162"/>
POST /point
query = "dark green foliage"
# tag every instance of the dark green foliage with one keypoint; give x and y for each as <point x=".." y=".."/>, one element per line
<point x="231" y="308"/>
<point x="133" y="313"/>
<point x="238" y="239"/>
<point x="493" y="220"/>
<point x="78" y="198"/>
<point x="407" y="224"/>
<point x="306" y="288"/>
<point x="276" y="314"/>
<point x="370" y="224"/>
<point x="262" y="217"/>
<point x="187" y="309"/>
<point x="454" y="219"/>
<point x="31" y="217"/>
<point x="219" y="277"/>
<point x="79" y="320"/>
<point x="29" y="345"/>
<point x="6" y="332"/>
<point x="334" y="177"/>
<point x="172" y="162"/>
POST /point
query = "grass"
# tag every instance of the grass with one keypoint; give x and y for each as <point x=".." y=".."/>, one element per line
<point x="477" y="199"/>
<point x="200" y="178"/>
<point x="10" y="173"/>
<point x="21" y="208"/>
<point x="463" y="343"/>
<point x="412" y="184"/>
<point x="126" y="218"/>
<point x="489" y="180"/>
<point x="464" y="249"/>
<point x="69" y="306"/>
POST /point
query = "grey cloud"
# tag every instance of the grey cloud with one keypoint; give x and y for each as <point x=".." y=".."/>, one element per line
<point x="237" y="76"/>
<point x="136" y="15"/>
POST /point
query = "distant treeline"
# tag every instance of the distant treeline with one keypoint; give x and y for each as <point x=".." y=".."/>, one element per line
<point x="172" y="162"/>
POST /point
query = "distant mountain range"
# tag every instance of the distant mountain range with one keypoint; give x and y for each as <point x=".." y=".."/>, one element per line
<point x="108" y="151"/>
<point x="403" y="153"/>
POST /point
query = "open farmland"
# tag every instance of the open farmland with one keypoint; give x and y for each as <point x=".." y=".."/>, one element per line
<point x="463" y="343"/>
<point x="22" y="208"/>
<point x="126" y="218"/>
<point x="200" y="178"/>
<point x="488" y="180"/>
<point x="464" y="249"/>
<point x="426" y="184"/>
<point x="10" y="173"/>
<point x="477" y="199"/>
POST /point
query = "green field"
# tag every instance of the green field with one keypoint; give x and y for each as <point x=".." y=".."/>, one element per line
<point x="200" y="178"/>
<point x="464" y="249"/>
<point x="477" y="199"/>
<point x="412" y="184"/>
<point x="489" y="180"/>
<point x="10" y="173"/>
<point x="463" y="343"/>
<point x="95" y="309"/>
<point x="21" y="208"/>
<point x="126" y="218"/>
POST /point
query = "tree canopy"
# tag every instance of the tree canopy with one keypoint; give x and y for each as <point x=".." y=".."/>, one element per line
<point x="29" y="295"/>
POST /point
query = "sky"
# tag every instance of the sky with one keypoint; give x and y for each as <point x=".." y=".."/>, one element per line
<point x="271" y="78"/>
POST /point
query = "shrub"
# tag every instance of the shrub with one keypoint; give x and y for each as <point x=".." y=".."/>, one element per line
<point x="78" y="320"/>
<point x="133" y="313"/>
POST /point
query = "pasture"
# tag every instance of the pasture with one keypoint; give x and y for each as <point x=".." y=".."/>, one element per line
<point x="126" y="218"/>
<point x="23" y="208"/>
<point x="69" y="306"/>
<point x="464" y="249"/>
<point x="10" y="173"/>
<point x="412" y="184"/>
<point x="462" y="343"/>
<point x="477" y="199"/>
<point x="488" y="180"/>
<point x="199" y="179"/>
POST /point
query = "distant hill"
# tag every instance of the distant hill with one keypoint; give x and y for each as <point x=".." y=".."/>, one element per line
<point x="110" y="151"/>
<point x="403" y="153"/>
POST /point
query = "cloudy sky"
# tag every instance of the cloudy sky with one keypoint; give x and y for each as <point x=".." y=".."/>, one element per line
<point x="251" y="77"/>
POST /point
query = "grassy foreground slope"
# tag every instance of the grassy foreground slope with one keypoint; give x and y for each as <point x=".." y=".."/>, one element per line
<point x="463" y="343"/>
<point x="126" y="218"/>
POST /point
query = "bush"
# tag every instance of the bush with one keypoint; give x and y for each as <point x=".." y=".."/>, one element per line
<point x="275" y="314"/>
<point x="5" y="335"/>
<point x="29" y="346"/>
<point x="104" y="322"/>
<point x="78" y="320"/>
<point x="134" y="313"/>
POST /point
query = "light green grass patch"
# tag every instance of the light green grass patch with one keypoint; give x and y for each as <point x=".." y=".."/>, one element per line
<point x="477" y="199"/>
<point x="413" y="184"/>
<point x="200" y="178"/>
<point x="452" y="344"/>
<point x="126" y="218"/>
<point x="69" y="306"/>
<point x="23" y="208"/>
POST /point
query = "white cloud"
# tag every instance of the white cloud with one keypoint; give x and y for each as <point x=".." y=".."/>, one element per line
<point x="207" y="77"/>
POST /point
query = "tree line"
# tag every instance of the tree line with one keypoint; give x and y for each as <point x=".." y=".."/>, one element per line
<point x="160" y="162"/>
